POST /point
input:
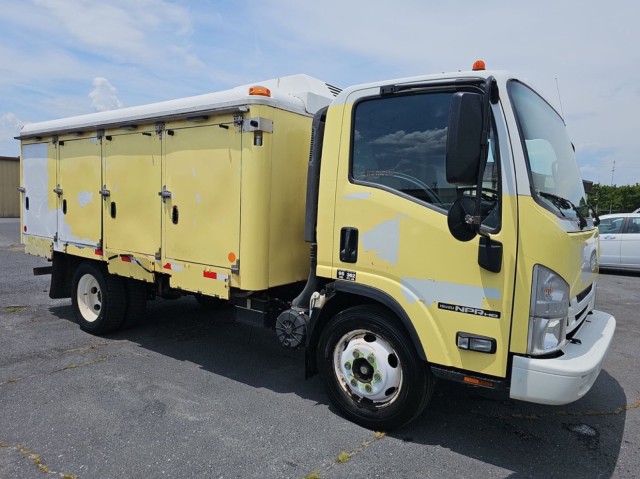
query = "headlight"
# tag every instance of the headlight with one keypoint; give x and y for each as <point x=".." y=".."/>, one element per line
<point x="548" y="312"/>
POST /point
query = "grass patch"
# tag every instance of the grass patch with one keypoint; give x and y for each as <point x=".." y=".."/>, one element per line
<point x="313" y="475"/>
<point x="15" y="309"/>
<point x="343" y="457"/>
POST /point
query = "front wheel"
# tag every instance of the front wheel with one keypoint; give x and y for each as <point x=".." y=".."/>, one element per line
<point x="371" y="370"/>
<point x="99" y="299"/>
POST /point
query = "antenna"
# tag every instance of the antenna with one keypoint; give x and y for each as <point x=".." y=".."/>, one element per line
<point x="559" y="99"/>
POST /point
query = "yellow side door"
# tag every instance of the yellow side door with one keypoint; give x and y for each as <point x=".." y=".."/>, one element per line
<point x="201" y="188"/>
<point x="132" y="180"/>
<point x="80" y="175"/>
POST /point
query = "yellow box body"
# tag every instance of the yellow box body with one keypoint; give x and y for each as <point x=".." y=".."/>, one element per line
<point x="232" y="211"/>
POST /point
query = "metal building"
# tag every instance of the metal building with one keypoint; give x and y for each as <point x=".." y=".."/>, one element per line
<point x="9" y="182"/>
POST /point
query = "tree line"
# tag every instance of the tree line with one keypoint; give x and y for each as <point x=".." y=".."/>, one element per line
<point x="615" y="199"/>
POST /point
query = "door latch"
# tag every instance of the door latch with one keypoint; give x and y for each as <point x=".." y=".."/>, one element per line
<point x="164" y="194"/>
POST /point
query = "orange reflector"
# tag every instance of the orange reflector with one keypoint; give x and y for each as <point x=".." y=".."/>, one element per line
<point x="477" y="382"/>
<point x="259" y="91"/>
<point x="479" y="65"/>
<point x="232" y="257"/>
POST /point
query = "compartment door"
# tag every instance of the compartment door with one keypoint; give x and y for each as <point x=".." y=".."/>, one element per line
<point x="80" y="174"/>
<point x="39" y="179"/>
<point x="201" y="195"/>
<point x="132" y="180"/>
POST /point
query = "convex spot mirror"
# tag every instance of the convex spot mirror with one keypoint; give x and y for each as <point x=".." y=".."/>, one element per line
<point x="460" y="219"/>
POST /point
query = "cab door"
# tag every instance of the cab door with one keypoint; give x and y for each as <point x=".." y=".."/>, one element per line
<point x="391" y="229"/>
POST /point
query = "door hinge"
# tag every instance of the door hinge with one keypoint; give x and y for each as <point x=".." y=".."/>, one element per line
<point x="22" y="189"/>
<point x="104" y="192"/>
<point x="238" y="120"/>
<point x="235" y="268"/>
<point x="159" y="129"/>
<point x="58" y="191"/>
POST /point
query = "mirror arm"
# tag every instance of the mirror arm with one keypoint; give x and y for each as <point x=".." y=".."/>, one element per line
<point x="484" y="150"/>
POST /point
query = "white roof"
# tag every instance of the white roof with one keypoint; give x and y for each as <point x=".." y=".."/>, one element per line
<point x="298" y="93"/>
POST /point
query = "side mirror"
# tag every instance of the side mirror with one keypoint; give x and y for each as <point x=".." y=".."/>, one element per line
<point x="460" y="219"/>
<point x="464" y="138"/>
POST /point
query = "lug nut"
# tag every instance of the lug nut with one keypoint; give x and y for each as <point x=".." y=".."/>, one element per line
<point x="354" y="383"/>
<point x="371" y="358"/>
<point x="377" y="377"/>
<point x="368" y="388"/>
<point x="347" y="366"/>
<point x="356" y="354"/>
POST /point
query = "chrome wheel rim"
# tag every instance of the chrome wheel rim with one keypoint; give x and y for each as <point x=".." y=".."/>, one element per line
<point x="367" y="368"/>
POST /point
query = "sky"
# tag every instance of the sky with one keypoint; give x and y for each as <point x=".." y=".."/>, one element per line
<point x="61" y="58"/>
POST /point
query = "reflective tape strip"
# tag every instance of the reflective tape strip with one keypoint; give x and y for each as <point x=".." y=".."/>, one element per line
<point x="214" y="275"/>
<point x="173" y="267"/>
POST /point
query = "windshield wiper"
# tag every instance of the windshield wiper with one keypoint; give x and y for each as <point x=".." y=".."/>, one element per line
<point x="563" y="203"/>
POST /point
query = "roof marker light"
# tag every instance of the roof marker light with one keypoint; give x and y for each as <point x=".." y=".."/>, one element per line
<point x="259" y="91"/>
<point x="479" y="65"/>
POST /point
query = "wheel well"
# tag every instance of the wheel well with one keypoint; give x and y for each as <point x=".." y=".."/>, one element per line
<point x="63" y="268"/>
<point x="344" y="300"/>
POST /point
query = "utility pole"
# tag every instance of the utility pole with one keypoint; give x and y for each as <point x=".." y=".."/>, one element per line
<point x="613" y="168"/>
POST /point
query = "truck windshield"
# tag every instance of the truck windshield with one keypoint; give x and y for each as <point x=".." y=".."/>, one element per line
<point x="554" y="174"/>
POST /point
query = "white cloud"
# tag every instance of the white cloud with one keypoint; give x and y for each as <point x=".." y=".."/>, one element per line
<point x="104" y="95"/>
<point x="120" y="29"/>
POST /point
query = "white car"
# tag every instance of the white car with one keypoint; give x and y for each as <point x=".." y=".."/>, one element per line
<point x="620" y="241"/>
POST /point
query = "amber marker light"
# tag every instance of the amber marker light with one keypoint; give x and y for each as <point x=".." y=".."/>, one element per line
<point x="479" y="65"/>
<point x="259" y="91"/>
<point x="477" y="382"/>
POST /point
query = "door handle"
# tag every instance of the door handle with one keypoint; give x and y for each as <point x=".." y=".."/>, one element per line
<point x="175" y="215"/>
<point x="349" y="245"/>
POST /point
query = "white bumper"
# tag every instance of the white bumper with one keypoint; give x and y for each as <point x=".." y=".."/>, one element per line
<point x="567" y="378"/>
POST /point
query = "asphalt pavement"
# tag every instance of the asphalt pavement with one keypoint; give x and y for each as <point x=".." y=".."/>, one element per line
<point x="192" y="394"/>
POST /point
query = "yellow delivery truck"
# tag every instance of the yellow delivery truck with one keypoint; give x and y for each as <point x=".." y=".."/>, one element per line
<point x="400" y="231"/>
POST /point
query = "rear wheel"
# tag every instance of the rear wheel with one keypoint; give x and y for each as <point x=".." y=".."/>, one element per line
<point x="371" y="370"/>
<point x="98" y="299"/>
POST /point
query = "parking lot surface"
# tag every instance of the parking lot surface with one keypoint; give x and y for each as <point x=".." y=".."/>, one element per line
<point x="192" y="394"/>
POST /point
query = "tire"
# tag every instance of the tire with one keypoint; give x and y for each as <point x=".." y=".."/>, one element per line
<point x="371" y="371"/>
<point x="137" y="296"/>
<point x="99" y="299"/>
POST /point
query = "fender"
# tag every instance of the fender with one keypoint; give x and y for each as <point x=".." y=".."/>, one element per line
<point x="365" y="292"/>
<point x="386" y="300"/>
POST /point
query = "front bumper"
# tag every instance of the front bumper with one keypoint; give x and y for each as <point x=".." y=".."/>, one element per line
<point x="566" y="378"/>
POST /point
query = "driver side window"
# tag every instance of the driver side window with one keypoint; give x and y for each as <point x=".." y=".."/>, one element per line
<point x="399" y="144"/>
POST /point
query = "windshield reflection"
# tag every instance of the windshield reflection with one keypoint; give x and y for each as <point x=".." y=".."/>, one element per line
<point x="552" y="165"/>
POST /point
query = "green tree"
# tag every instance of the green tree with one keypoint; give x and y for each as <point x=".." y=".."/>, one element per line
<point x="615" y="199"/>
